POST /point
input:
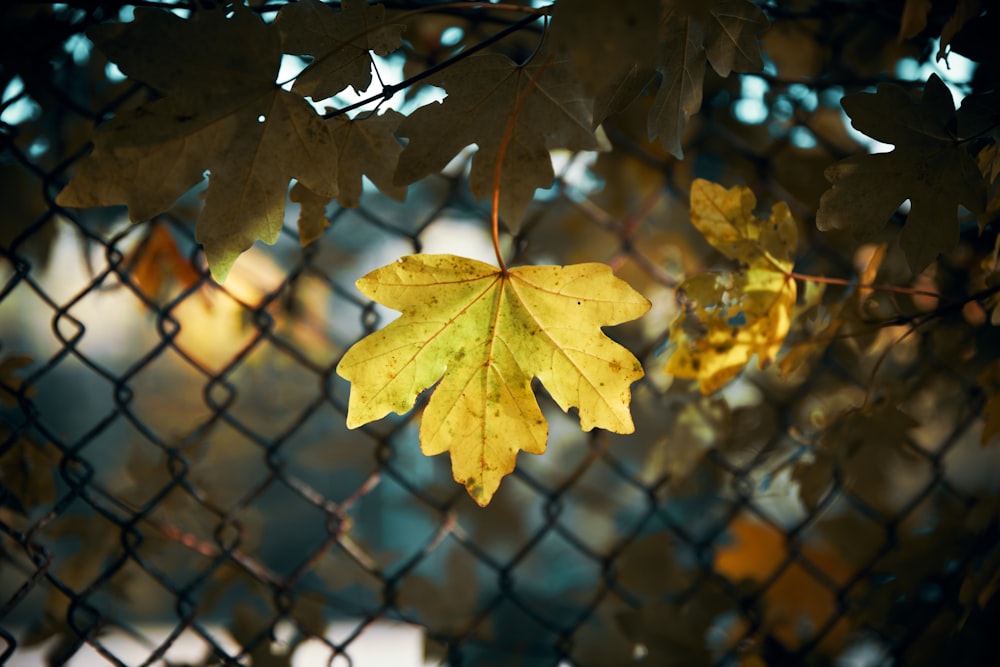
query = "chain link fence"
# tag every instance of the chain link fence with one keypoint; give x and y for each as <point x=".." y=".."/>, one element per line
<point x="178" y="486"/>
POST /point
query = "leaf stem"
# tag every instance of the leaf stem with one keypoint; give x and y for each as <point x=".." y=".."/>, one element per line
<point x="505" y="140"/>
<point x="495" y="217"/>
<point x="631" y="223"/>
<point x="882" y="288"/>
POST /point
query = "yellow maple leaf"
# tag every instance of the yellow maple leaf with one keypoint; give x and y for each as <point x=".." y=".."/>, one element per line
<point x="485" y="333"/>
<point x="726" y="318"/>
<point x="726" y="219"/>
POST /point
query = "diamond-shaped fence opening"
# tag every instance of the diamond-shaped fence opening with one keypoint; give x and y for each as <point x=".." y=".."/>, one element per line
<point x="178" y="484"/>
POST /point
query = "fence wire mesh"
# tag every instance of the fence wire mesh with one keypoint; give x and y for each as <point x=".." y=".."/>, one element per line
<point x="178" y="486"/>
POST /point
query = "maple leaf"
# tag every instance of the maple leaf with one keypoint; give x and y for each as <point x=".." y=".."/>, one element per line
<point x="367" y="146"/>
<point x="930" y="166"/>
<point x="485" y="333"/>
<point x="624" y="32"/>
<point x="727" y="318"/>
<point x="221" y="111"/>
<point x="339" y="44"/>
<point x="867" y="445"/>
<point x="312" y="214"/>
<point x="483" y="92"/>
<point x="157" y="262"/>
<point x="722" y="31"/>
<point x="674" y="37"/>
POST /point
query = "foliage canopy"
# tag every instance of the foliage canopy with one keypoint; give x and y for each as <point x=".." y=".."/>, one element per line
<point x="233" y="118"/>
<point x="219" y="107"/>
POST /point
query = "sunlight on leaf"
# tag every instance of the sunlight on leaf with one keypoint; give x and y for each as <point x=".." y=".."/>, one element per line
<point x="727" y="318"/>
<point x="726" y="219"/>
<point x="485" y="334"/>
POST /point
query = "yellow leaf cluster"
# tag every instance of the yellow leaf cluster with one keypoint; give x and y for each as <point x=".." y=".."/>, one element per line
<point x="727" y="318"/>
<point x="484" y="333"/>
